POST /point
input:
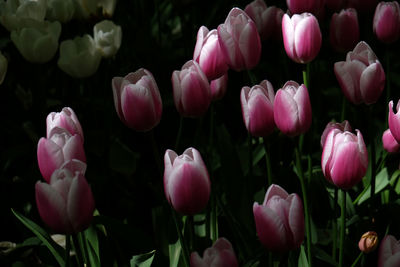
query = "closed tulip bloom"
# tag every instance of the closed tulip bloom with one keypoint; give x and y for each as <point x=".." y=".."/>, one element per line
<point x="279" y="220"/>
<point x="394" y="120"/>
<point x="258" y="108"/>
<point x="16" y="14"/>
<point x="344" y="158"/>
<point x="61" y="10"/>
<point x="59" y="148"/>
<point x="389" y="142"/>
<point x="186" y="181"/>
<point x="292" y="109"/>
<point x="218" y="87"/>
<point x="344" y="31"/>
<point x="239" y="40"/>
<point x="208" y="54"/>
<point x="301" y="37"/>
<point x="66" y="204"/>
<point x="344" y="126"/>
<point x="368" y="242"/>
<point x="386" y="23"/>
<point x="137" y="100"/>
<point x="66" y="119"/>
<point x="389" y="252"/>
<point x="3" y="67"/>
<point x="361" y="76"/>
<point x="221" y="254"/>
<point x="191" y="89"/>
<point x="301" y="6"/>
<point x="107" y="37"/>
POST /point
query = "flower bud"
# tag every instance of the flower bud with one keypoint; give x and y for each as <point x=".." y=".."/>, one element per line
<point x="368" y="242"/>
<point x="221" y="254"/>
<point x="15" y="14"/>
<point x="218" y="87"/>
<point x="344" y="32"/>
<point x="65" y="119"/>
<point x="137" y="100"/>
<point x="386" y="23"/>
<point x="186" y="182"/>
<point x="344" y="126"/>
<point x="107" y="37"/>
<point x="3" y="67"/>
<point x="389" y="142"/>
<point x="61" y="10"/>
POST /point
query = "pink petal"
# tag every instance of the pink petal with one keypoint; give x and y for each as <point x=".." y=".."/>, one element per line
<point x="372" y="82"/>
<point x="50" y="156"/>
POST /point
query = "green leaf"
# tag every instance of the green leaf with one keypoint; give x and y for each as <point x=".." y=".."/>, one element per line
<point x="54" y="248"/>
<point x="303" y="262"/>
<point x="143" y="260"/>
<point x="93" y="246"/>
<point x="322" y="255"/>
<point x="381" y="181"/>
<point x="174" y="253"/>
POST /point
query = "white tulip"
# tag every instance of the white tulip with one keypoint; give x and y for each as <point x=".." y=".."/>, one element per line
<point x="61" y="10"/>
<point x="16" y="14"/>
<point x="107" y="37"/>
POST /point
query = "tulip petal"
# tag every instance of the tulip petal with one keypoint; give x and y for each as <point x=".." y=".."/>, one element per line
<point x="275" y="190"/>
<point x="296" y="219"/>
<point x="50" y="157"/>
<point x="372" y="82"/>
<point x="307" y="39"/>
<point x="286" y="113"/>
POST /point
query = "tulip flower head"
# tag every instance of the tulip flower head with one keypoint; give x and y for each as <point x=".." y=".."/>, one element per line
<point x="221" y="254"/>
<point x="61" y="10"/>
<point x="137" y="100"/>
<point x="394" y="120"/>
<point x="368" y="242"/>
<point x="344" y="126"/>
<point x="386" y="24"/>
<point x="389" y="252"/>
<point x="66" y="119"/>
<point x="361" y="76"/>
<point x="344" y="32"/>
<point x="389" y="142"/>
<point x="279" y="220"/>
<point x="344" y="158"/>
<point x="107" y="37"/>
<point x="186" y="181"/>
<point x="218" y="87"/>
<point x="15" y="14"/>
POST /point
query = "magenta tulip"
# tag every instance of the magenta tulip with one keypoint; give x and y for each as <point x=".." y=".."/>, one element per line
<point x="192" y="93"/>
<point x="239" y="40"/>
<point x="66" y="204"/>
<point x="344" y="126"/>
<point x="344" y="32"/>
<point x="394" y="121"/>
<point x="301" y="37"/>
<point x="361" y="76"/>
<point x="386" y="23"/>
<point x="292" y="109"/>
<point x="186" y="181"/>
<point x="209" y="55"/>
<point x="389" y="252"/>
<point x="344" y="158"/>
<point x="65" y="119"/>
<point x="279" y="220"/>
<point x="258" y="108"/>
<point x="221" y="254"/>
<point x="301" y="6"/>
<point x="389" y="142"/>
<point x="137" y="100"/>
<point x="61" y="147"/>
<point x="218" y="87"/>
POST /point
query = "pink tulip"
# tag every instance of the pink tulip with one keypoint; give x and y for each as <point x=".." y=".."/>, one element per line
<point x="137" y="100"/>
<point x="221" y="254"/>
<point x="362" y="6"/>
<point x="389" y="252"/>
<point x="344" y="158"/>
<point x="344" y="126"/>
<point x="218" y="87"/>
<point x="389" y="143"/>
<point x="192" y="93"/>
<point x="268" y="20"/>
<point x="66" y="204"/>
<point x="361" y="76"/>
<point x="301" y="37"/>
<point x="394" y="121"/>
<point x="186" y="181"/>
<point x="61" y="147"/>
<point x="292" y="109"/>
<point x="239" y="40"/>
<point x="208" y="54"/>
<point x="386" y="23"/>
<point x="279" y="220"/>
<point x="65" y="119"/>
<point x="344" y="32"/>
<point x="258" y="108"/>
<point x="301" y="6"/>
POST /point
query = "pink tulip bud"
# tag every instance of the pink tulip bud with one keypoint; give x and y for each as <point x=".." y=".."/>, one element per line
<point x="221" y="254"/>
<point x="389" y="252"/>
<point x="61" y="147"/>
<point x="301" y="6"/>
<point x="218" y="87"/>
<point x="65" y="119"/>
<point x="192" y="93"/>
<point x="368" y="242"/>
<point x="292" y="109"/>
<point x="186" y="181"/>
<point x="66" y="204"/>
<point x="279" y="220"/>
<point x="208" y="54"/>
<point x="387" y="22"/>
<point x="361" y="76"/>
<point x="258" y="108"/>
<point x="301" y="37"/>
<point x="394" y="121"/>
<point x="344" y="158"/>
<point x="344" y="126"/>
<point x="239" y="40"/>
<point x="362" y="6"/>
<point x="137" y="100"/>
<point x="268" y="20"/>
<point x="389" y="143"/>
<point x="344" y="32"/>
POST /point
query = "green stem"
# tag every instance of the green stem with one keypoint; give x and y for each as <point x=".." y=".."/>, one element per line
<point x="78" y="250"/>
<point x="268" y="162"/>
<point x="181" y="239"/>
<point x="342" y="226"/>
<point x="306" y="77"/>
<point x="306" y="211"/>
<point x="214" y="220"/>
<point x="334" y="224"/>
<point x="67" y="250"/>
<point x="372" y="154"/>
<point x="357" y="259"/>
<point x="179" y="134"/>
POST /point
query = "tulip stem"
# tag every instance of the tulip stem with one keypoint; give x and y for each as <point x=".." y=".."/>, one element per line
<point x="181" y="239"/>
<point x="214" y="219"/>
<point x="334" y="224"/>
<point x="306" y="211"/>
<point x="342" y="226"/>
<point x="357" y="259"/>
<point x="306" y="77"/>
<point x="78" y="250"/>
<point x="372" y="152"/>
<point x="250" y="138"/>
<point x="67" y="250"/>
<point x="268" y="162"/>
<point x="179" y="134"/>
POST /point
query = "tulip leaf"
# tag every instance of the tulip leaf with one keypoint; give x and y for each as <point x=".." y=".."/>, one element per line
<point x="322" y="255"/>
<point x="142" y="260"/>
<point x="93" y="246"/>
<point x="174" y="253"/>
<point x="54" y="248"/>
<point x="303" y="262"/>
<point x="381" y="181"/>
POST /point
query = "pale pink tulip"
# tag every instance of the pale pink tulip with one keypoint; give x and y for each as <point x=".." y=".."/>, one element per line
<point x="66" y="119"/>
<point x="218" y="87"/>
<point x="344" y="126"/>
<point x="389" y="252"/>
<point x="389" y="142"/>
<point x="221" y="254"/>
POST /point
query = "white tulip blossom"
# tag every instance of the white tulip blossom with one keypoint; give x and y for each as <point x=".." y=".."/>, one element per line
<point x="16" y="14"/>
<point x="107" y="37"/>
<point x="61" y="10"/>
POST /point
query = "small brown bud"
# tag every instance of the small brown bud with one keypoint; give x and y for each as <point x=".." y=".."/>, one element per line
<point x="368" y="242"/>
